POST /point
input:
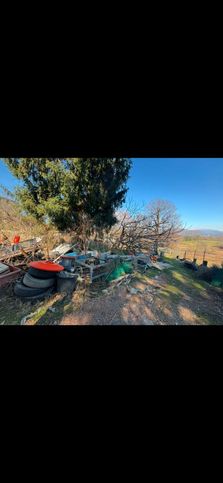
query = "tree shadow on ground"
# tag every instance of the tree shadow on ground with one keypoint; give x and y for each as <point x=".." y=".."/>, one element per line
<point x="181" y="300"/>
<point x="193" y="301"/>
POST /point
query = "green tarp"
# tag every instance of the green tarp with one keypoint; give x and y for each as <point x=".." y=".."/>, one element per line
<point x="122" y="269"/>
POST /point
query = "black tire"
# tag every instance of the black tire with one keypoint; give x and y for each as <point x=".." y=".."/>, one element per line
<point x="42" y="296"/>
<point x="22" y="291"/>
<point x="43" y="274"/>
<point x="33" y="282"/>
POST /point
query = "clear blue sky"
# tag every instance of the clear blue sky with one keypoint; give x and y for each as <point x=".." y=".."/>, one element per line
<point x="195" y="186"/>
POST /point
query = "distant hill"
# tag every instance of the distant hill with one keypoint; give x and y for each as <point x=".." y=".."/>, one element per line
<point x="203" y="232"/>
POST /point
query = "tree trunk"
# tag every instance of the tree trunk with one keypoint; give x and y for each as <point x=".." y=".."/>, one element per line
<point x="156" y="246"/>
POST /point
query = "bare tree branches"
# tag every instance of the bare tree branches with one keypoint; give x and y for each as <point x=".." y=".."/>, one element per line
<point x="156" y="226"/>
<point x="164" y="221"/>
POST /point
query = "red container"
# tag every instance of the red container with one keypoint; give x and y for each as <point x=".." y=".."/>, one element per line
<point x="8" y="277"/>
<point x="16" y="239"/>
<point x="45" y="265"/>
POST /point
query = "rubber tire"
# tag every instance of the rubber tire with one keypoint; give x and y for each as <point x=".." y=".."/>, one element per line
<point x="33" y="282"/>
<point x="22" y="291"/>
<point x="45" y="294"/>
<point x="43" y="274"/>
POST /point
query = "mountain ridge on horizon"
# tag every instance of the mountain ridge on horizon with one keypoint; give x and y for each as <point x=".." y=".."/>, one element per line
<point x="202" y="232"/>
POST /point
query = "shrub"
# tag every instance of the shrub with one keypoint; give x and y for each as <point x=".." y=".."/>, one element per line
<point x="212" y="274"/>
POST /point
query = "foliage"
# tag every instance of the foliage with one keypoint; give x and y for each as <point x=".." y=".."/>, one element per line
<point x="64" y="191"/>
<point x="212" y="275"/>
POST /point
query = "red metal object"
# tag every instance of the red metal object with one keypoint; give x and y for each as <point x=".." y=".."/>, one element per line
<point x="16" y="239"/>
<point x="45" y="265"/>
<point x="8" y="277"/>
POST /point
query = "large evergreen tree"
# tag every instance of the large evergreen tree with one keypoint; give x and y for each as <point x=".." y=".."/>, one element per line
<point x="61" y="191"/>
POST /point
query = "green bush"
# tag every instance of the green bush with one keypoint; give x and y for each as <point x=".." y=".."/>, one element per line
<point x="213" y="275"/>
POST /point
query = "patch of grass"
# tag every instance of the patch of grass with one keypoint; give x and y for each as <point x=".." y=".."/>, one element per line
<point x="12" y="309"/>
<point x="181" y="280"/>
<point x="140" y="277"/>
<point x="179" y="276"/>
<point x="41" y="312"/>
<point x="151" y="273"/>
<point x="198" y="286"/>
<point x="171" y="291"/>
<point x="62" y="304"/>
<point x="212" y="245"/>
<point x="209" y="319"/>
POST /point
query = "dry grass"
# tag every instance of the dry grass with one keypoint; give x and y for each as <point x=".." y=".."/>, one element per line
<point x="195" y="249"/>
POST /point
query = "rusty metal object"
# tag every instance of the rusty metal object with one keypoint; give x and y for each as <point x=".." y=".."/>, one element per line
<point x="9" y="277"/>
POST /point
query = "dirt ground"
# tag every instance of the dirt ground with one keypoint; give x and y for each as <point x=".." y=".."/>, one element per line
<point x="157" y="303"/>
<point x="174" y="296"/>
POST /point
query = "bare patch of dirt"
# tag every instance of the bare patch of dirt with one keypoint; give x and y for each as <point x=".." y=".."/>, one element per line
<point x="173" y="297"/>
<point x="150" y="306"/>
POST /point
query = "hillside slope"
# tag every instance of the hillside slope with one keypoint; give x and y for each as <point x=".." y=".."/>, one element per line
<point x="12" y="222"/>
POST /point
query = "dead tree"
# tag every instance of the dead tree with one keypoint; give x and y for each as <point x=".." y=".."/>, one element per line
<point x="130" y="233"/>
<point x="163" y="222"/>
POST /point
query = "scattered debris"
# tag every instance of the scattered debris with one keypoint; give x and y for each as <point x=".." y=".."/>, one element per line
<point x="161" y="265"/>
<point x="52" y="309"/>
<point x="61" y="249"/>
<point x="133" y="291"/>
<point x="12" y="273"/>
<point x="107" y="270"/>
<point x="28" y="317"/>
<point x="3" y="268"/>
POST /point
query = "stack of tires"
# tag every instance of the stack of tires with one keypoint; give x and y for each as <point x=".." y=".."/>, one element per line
<point x="38" y="282"/>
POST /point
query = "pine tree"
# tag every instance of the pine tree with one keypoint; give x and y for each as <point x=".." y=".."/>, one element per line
<point x="61" y="191"/>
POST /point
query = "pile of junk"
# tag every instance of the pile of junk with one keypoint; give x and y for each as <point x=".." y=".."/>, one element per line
<point x="62" y="274"/>
<point x="66" y="268"/>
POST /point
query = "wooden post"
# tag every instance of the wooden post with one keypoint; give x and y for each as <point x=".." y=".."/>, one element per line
<point x="185" y="253"/>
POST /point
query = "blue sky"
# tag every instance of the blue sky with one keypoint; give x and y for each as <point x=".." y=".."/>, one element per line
<point x="195" y="186"/>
